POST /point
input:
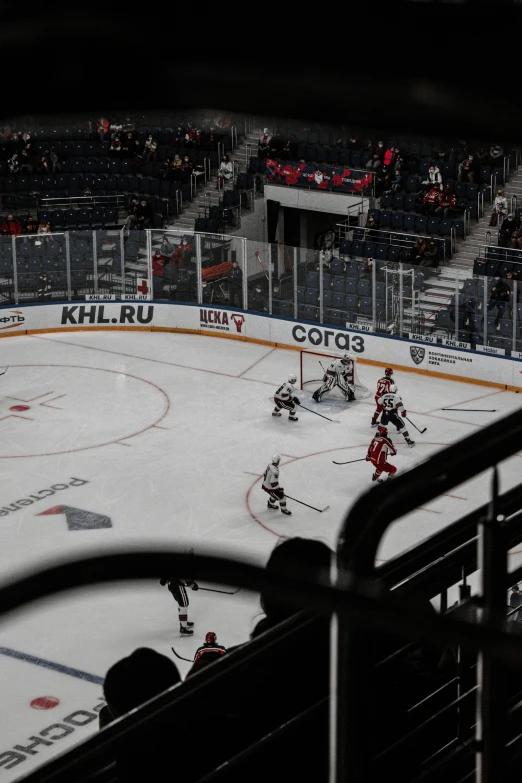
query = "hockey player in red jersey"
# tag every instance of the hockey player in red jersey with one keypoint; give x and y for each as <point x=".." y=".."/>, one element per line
<point x="378" y="451"/>
<point x="210" y="646"/>
<point x="384" y="385"/>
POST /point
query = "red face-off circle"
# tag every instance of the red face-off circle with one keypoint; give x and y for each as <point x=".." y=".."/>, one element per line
<point x="45" y="703"/>
<point x="19" y="407"/>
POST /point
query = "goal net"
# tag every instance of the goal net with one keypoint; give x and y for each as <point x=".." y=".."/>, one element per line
<point x="313" y="366"/>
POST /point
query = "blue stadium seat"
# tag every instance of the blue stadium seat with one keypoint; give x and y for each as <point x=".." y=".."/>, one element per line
<point x="339" y="286"/>
<point x="433" y="225"/>
<point x="350" y="303"/>
<point x="337" y="267"/>
<point x="352" y="269"/>
<point x="421" y="223"/>
<point x="351" y="286"/>
<point x="409" y="223"/>
<point x="386" y="200"/>
<point x="381" y="252"/>
<point x="311" y="296"/>
<point x="364" y="287"/>
<point x="386" y="218"/>
<point x="380" y="291"/>
<point x="358" y="249"/>
<point x="409" y="203"/>
<point x="398" y="201"/>
<point x="301" y="292"/>
<point x="338" y="301"/>
<point x="397" y="220"/>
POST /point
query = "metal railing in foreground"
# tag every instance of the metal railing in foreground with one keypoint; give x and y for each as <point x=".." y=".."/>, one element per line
<point x="362" y="531"/>
<point x="361" y="602"/>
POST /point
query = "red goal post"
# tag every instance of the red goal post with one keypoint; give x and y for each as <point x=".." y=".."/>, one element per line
<point x="312" y="366"/>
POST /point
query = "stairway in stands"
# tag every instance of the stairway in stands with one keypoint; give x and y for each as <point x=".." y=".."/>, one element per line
<point x="438" y="289"/>
<point x="209" y="192"/>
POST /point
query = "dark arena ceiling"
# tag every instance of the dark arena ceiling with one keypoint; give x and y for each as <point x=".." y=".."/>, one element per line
<point x="426" y="67"/>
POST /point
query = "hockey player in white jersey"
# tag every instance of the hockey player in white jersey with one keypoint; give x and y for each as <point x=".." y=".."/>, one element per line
<point x="271" y="485"/>
<point x="392" y="405"/>
<point x="285" y="398"/>
<point x="339" y="373"/>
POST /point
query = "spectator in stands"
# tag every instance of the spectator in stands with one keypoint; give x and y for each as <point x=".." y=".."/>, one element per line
<point x="499" y="297"/>
<point x="182" y="253"/>
<point x="44" y="227"/>
<point x="11" y="226"/>
<point x="158" y="273"/>
<point x="389" y="156"/>
<point x="184" y="291"/>
<point x="288" y="152"/>
<point x="44" y="286"/>
<point x="116" y="145"/>
<point x="167" y="249"/>
<point x="500" y="207"/>
<point x="143" y="214"/>
<point x="375" y="162"/>
<point x="469" y="170"/>
<point x="263" y="146"/>
<point x="235" y="286"/>
<point x="186" y="169"/>
<point x="225" y="172"/>
<point x="43" y="166"/>
<point x="151" y="146"/>
<point x="53" y="159"/>
<point x="257" y="301"/>
<point x="26" y="161"/>
<point x="434" y="178"/>
<point x="417" y="252"/>
<point x="446" y="208"/>
<point x="300" y="557"/>
<point x="131" y="214"/>
<point x="136" y="679"/>
<point x="496" y="155"/>
<point x="444" y="156"/>
<point x="371" y="232"/>
<point x="31" y="225"/>
<point x="515" y="601"/>
<point x="127" y="144"/>
<point x="431" y="201"/>
<point x="102" y="127"/>
<point x="206" y="292"/>
<point x="128" y="125"/>
<point x="430" y="257"/>
<point x="516" y="237"/>
<point x="397" y="181"/>
<point x="482" y="155"/>
<point x="179" y="136"/>
<point x="137" y="153"/>
<point x="509" y="225"/>
<point x="13" y="164"/>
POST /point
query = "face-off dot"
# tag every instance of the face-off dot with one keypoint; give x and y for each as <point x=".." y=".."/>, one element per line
<point x="45" y="703"/>
<point x="19" y="407"/>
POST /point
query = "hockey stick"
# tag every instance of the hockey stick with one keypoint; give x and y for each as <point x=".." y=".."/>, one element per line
<point x="226" y="592"/>
<point x="414" y="425"/>
<point x="181" y="657"/>
<point x="320" y="510"/>
<point x="363" y="459"/>
<point x="335" y="421"/>
<point x="4" y="372"/>
<point x="262" y="267"/>
<point x="471" y="410"/>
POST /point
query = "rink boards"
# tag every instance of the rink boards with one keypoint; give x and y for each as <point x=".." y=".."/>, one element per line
<point x="426" y="358"/>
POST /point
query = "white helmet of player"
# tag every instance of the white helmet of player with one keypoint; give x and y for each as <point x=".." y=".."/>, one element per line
<point x="276" y="459"/>
<point x="345" y="359"/>
<point x="393" y="389"/>
<point x="292" y="378"/>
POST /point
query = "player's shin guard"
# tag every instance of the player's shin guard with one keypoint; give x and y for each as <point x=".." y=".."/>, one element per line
<point x="183" y="616"/>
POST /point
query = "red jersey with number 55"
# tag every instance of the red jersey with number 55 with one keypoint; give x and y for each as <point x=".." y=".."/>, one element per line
<point x="379" y="449"/>
<point x="383" y="387"/>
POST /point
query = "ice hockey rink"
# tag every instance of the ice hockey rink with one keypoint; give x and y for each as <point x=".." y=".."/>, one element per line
<point x="109" y="439"/>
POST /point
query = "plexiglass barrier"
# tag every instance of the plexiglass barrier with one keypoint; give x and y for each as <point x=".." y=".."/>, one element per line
<point x="392" y="295"/>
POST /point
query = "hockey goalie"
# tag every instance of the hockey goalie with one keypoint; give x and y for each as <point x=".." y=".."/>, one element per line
<point x="339" y="373"/>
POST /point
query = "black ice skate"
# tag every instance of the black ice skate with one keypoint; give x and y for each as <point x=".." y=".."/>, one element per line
<point x="316" y="396"/>
<point x="286" y="511"/>
<point x="276" y="413"/>
<point x="293" y="418"/>
<point x="411" y="443"/>
<point x="374" y="423"/>
<point x="185" y="631"/>
<point x="378" y="480"/>
<point x="271" y="505"/>
<point x="190" y="625"/>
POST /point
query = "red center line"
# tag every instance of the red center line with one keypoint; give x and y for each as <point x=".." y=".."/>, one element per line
<point x="458" y="497"/>
<point x="259" y="360"/>
<point x="148" y="359"/>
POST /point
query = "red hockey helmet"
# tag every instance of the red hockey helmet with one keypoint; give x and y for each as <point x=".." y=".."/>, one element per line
<point x="388" y="372"/>
<point x="211" y="638"/>
<point x="382" y="430"/>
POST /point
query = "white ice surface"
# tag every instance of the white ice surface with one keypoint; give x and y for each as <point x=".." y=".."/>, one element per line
<point x="172" y="433"/>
